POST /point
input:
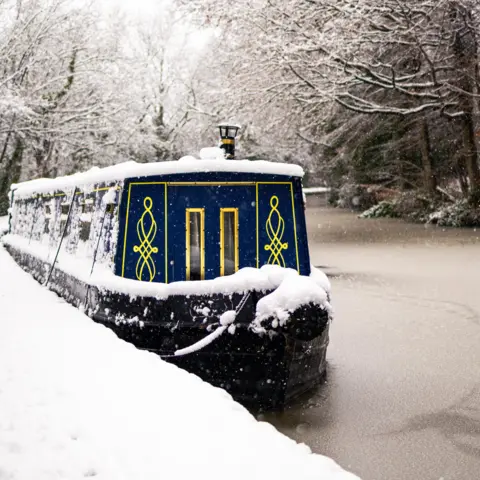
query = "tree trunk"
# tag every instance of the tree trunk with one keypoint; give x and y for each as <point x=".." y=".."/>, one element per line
<point x="461" y="172"/>
<point x="471" y="156"/>
<point x="11" y="174"/>
<point x="429" y="175"/>
<point x="475" y="135"/>
<point x="466" y="51"/>
<point x="398" y="164"/>
<point x="7" y="140"/>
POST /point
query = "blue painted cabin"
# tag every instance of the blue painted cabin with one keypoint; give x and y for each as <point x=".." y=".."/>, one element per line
<point x="202" y="225"/>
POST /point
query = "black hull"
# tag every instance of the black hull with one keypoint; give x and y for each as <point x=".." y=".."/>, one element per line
<point x="260" y="371"/>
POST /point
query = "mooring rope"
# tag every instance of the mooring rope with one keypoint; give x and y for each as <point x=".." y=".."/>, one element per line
<point x="217" y="333"/>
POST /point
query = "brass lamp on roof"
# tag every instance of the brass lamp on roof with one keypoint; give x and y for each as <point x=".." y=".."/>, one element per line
<point x="228" y="133"/>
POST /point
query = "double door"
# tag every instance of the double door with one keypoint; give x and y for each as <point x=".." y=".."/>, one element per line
<point x="211" y="229"/>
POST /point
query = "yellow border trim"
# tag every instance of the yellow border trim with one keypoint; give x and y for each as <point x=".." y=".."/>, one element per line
<point x="101" y="189"/>
<point x="166" y="235"/>
<point x="295" y="226"/>
<point x="126" y="230"/>
<point x="222" y="238"/>
<point x="256" y="213"/>
<point x="188" y="211"/>
<point x="193" y="184"/>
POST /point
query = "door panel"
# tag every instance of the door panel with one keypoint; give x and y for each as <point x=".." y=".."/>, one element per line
<point x="144" y="237"/>
<point x="211" y="198"/>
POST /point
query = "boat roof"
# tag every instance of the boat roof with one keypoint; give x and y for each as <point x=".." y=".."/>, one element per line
<point x="132" y="169"/>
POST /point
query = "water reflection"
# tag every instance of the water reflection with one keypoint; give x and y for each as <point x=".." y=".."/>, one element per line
<point x="296" y="418"/>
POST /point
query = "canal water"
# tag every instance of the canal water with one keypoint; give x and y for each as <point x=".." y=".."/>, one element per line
<point x="402" y="398"/>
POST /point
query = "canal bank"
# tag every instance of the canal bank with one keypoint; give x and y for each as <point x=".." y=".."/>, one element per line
<point x="402" y="400"/>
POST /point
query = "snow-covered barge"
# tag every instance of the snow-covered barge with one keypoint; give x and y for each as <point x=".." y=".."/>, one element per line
<point x="203" y="261"/>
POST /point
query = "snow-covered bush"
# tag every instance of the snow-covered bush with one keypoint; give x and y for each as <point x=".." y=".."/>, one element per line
<point x="420" y="209"/>
<point x="385" y="209"/>
<point x="408" y="205"/>
<point x="458" y="214"/>
<point x="414" y="206"/>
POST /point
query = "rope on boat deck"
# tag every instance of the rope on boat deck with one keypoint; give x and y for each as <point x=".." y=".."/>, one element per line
<point x="217" y="333"/>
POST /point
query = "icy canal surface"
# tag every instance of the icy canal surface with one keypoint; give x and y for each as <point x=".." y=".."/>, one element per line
<point x="402" y="400"/>
<point x="76" y="402"/>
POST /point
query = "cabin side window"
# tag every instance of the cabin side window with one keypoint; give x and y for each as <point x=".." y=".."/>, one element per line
<point x="228" y="241"/>
<point x="48" y="217"/>
<point x="86" y="211"/>
<point x="195" y="243"/>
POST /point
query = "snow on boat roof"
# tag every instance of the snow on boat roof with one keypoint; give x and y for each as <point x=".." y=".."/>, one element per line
<point x="78" y="402"/>
<point x="130" y="169"/>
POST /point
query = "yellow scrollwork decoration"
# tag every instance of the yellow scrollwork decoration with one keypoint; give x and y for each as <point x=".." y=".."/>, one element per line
<point x="145" y="249"/>
<point x="275" y="234"/>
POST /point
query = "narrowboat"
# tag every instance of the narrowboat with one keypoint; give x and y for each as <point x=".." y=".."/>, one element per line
<point x="202" y="261"/>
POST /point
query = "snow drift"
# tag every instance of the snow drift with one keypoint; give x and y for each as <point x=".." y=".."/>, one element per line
<point x="76" y="402"/>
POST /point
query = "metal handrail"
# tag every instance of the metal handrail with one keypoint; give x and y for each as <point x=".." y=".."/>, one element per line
<point x="63" y="235"/>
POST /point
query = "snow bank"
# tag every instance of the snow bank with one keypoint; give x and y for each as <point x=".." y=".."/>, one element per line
<point x="133" y="169"/>
<point x="76" y="402"/>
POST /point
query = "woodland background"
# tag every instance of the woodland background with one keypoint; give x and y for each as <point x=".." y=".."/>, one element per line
<point x="378" y="99"/>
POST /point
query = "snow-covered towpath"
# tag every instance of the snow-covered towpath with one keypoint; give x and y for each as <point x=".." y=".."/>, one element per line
<point x="76" y="402"/>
